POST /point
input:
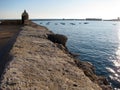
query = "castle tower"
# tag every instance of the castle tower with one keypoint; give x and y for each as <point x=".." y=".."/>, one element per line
<point x="25" y="17"/>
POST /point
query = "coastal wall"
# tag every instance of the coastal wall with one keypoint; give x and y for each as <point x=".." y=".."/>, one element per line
<point x="11" y="22"/>
<point x="36" y="63"/>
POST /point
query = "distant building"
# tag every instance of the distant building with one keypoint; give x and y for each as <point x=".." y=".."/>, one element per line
<point x="93" y="19"/>
<point x="25" y="17"/>
<point x="117" y="19"/>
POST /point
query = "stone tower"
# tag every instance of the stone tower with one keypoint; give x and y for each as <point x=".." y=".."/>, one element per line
<point x="25" y="17"/>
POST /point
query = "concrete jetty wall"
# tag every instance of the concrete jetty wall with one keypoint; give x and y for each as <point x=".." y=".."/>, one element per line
<point x="37" y="63"/>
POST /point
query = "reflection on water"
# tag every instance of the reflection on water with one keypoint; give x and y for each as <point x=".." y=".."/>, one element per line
<point x="96" y="42"/>
<point x="115" y="71"/>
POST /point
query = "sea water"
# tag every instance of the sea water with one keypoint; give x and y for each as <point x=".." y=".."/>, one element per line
<point x="95" y="41"/>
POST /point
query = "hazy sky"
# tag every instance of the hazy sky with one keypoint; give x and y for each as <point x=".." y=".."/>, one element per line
<point x="61" y="8"/>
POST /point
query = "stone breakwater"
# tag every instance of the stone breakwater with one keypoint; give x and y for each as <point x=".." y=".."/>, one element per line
<point x="37" y="63"/>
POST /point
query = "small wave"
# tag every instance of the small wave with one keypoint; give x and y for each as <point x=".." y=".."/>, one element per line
<point x="110" y="70"/>
<point x="116" y="63"/>
<point x="114" y="77"/>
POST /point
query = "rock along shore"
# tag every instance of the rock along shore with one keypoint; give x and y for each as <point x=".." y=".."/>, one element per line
<point x="36" y="63"/>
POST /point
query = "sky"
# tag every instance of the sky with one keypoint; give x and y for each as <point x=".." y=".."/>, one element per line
<point x="69" y="9"/>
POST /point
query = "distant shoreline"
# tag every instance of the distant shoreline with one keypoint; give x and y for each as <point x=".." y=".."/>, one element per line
<point x="66" y="19"/>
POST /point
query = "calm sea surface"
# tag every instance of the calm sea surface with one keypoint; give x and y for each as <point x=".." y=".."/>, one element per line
<point x="95" y="41"/>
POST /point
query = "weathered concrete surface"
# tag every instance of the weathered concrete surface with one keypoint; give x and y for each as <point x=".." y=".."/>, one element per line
<point x="38" y="64"/>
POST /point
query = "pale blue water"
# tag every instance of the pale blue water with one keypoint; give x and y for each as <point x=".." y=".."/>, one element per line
<point x="97" y="42"/>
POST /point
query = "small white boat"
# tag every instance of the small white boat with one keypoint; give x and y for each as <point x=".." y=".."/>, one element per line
<point x="86" y="23"/>
<point x="62" y="23"/>
<point x="72" y="23"/>
<point x="114" y="24"/>
<point x="56" y="24"/>
<point x="47" y="23"/>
